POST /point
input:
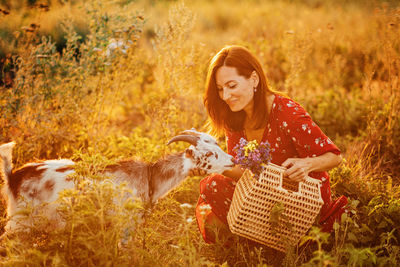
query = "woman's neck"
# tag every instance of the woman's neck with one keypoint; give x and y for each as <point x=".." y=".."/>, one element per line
<point x="249" y="111"/>
<point x="250" y="120"/>
<point x="249" y="123"/>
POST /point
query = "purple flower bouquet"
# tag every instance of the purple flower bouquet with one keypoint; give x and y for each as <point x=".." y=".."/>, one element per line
<point x="252" y="156"/>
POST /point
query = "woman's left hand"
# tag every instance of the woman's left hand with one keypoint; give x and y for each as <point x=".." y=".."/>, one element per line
<point x="297" y="168"/>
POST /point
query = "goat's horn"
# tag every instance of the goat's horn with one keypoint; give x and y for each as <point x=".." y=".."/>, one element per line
<point x="186" y="138"/>
<point x="190" y="132"/>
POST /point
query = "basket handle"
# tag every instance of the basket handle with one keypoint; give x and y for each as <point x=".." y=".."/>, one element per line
<point x="281" y="170"/>
<point x="298" y="192"/>
<point x="300" y="189"/>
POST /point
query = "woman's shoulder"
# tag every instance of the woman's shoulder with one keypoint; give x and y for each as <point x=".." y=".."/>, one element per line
<point x="287" y="107"/>
<point x="285" y="100"/>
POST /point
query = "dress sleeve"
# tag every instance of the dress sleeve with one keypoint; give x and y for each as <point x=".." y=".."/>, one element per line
<point x="306" y="136"/>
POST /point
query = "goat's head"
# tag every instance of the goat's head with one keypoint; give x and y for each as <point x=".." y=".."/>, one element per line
<point x="204" y="151"/>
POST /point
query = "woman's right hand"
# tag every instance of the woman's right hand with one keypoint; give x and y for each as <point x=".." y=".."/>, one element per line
<point x="235" y="173"/>
<point x="197" y="172"/>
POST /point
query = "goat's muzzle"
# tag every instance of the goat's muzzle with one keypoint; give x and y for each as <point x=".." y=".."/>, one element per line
<point x="231" y="165"/>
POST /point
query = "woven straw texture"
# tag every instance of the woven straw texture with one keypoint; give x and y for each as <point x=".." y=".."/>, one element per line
<point x="254" y="201"/>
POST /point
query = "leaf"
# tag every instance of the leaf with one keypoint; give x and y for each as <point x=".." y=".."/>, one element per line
<point x="366" y="228"/>
<point x="376" y="207"/>
<point x="304" y="239"/>
<point x="352" y="237"/>
<point x="344" y="217"/>
<point x="390" y="221"/>
<point x="336" y="226"/>
<point x="382" y="224"/>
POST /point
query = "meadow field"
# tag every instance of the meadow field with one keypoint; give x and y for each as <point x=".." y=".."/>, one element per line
<point x="65" y="94"/>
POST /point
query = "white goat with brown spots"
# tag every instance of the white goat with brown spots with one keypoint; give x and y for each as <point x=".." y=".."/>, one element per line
<point x="41" y="182"/>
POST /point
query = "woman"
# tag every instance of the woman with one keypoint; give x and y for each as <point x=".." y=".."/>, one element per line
<point x="240" y="104"/>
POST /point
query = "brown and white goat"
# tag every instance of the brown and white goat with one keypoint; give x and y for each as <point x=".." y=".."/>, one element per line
<point x="41" y="182"/>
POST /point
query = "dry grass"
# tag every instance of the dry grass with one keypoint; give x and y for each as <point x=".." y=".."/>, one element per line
<point x="341" y="61"/>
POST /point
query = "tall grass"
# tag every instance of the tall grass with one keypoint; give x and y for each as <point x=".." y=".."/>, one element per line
<point x="69" y="99"/>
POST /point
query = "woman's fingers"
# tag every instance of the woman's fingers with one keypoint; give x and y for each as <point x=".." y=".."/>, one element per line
<point x="298" y="175"/>
<point x="288" y="163"/>
<point x="295" y="170"/>
<point x="197" y="172"/>
<point x="202" y="172"/>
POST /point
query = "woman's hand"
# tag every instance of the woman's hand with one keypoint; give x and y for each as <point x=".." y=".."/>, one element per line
<point x="197" y="172"/>
<point x="297" y="169"/>
<point x="235" y="173"/>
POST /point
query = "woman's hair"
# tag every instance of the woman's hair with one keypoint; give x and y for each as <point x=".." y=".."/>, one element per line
<point x="221" y="118"/>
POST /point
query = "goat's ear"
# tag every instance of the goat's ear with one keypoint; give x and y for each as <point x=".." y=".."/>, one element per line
<point x="189" y="153"/>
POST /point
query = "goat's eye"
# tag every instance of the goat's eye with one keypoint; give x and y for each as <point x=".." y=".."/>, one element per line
<point x="209" y="153"/>
<point x="211" y="142"/>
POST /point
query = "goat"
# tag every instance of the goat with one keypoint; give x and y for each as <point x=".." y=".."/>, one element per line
<point x="41" y="182"/>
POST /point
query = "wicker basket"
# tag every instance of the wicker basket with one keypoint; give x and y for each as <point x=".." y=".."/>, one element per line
<point x="253" y="205"/>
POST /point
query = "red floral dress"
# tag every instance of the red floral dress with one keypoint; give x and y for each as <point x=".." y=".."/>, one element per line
<point x="291" y="133"/>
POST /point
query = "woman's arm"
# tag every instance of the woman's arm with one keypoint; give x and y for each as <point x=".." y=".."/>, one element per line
<point x="299" y="168"/>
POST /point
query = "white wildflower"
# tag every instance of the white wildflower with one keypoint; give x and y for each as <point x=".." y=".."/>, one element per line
<point x="117" y="44"/>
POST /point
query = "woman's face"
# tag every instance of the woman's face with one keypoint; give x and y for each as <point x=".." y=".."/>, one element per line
<point x="237" y="91"/>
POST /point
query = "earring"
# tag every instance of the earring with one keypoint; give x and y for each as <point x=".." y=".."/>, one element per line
<point x="255" y="89"/>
